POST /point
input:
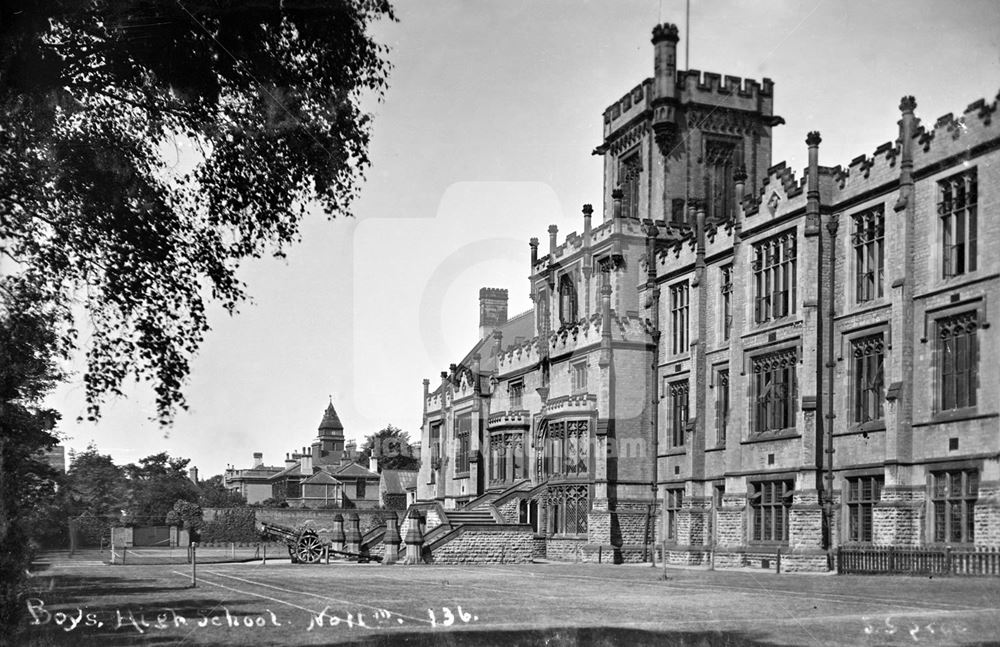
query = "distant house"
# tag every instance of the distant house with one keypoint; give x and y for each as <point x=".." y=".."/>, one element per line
<point x="254" y="483"/>
<point x="393" y="487"/>
<point x="323" y="474"/>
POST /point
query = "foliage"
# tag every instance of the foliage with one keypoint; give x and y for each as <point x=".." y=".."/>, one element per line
<point x="232" y="524"/>
<point x="185" y="514"/>
<point x="147" y="148"/>
<point x="391" y="446"/>
<point x="214" y="494"/>
<point x="156" y="483"/>
<point x="273" y="502"/>
<point x="28" y="347"/>
<point x="96" y="485"/>
<point x="91" y="529"/>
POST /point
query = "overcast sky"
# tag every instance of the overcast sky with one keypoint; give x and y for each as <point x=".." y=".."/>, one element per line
<point x="483" y="140"/>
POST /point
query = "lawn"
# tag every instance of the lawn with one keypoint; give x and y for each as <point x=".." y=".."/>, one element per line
<point x="81" y="601"/>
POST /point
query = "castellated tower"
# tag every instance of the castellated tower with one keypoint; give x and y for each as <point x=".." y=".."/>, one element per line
<point x="682" y="135"/>
<point x="734" y="366"/>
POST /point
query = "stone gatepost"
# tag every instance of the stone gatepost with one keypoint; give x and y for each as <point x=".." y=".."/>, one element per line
<point x="337" y="536"/>
<point x="352" y="535"/>
<point x="414" y="538"/>
<point x="391" y="539"/>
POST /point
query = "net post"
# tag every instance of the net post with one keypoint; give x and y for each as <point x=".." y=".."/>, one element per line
<point x="194" y="564"/>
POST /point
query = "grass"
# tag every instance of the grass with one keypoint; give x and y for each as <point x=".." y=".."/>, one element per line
<point x="81" y="601"/>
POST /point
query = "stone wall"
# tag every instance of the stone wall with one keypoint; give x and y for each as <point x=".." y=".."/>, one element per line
<point x="987" y="514"/>
<point x="731" y="527"/>
<point x="634" y="524"/>
<point x="898" y="518"/>
<point x="510" y="510"/>
<point x="502" y="545"/>
<point x="565" y="549"/>
<point x="805" y="522"/>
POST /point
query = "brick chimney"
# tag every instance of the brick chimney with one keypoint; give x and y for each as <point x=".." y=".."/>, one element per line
<point x="258" y="459"/>
<point x="492" y="310"/>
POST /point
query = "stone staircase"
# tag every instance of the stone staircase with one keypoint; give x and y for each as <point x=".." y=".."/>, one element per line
<point x="462" y="516"/>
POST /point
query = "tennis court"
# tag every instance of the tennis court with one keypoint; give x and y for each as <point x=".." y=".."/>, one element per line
<point x="552" y="604"/>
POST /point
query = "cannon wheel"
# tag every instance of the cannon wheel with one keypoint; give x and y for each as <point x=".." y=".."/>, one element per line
<point x="309" y="548"/>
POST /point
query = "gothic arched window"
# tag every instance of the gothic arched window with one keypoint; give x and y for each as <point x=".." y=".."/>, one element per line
<point x="567" y="300"/>
<point x="628" y="180"/>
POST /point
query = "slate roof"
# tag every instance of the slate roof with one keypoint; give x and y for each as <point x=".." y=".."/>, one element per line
<point x="294" y="470"/>
<point x="397" y="481"/>
<point x="356" y="471"/>
<point x="517" y="329"/>
<point x="321" y="478"/>
<point x="330" y="424"/>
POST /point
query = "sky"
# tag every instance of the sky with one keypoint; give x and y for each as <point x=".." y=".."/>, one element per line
<point x="482" y="141"/>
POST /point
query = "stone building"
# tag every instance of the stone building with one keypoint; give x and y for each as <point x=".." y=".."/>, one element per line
<point x="733" y="362"/>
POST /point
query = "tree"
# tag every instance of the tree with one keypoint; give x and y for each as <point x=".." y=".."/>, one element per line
<point x="214" y="494"/>
<point x="28" y="349"/>
<point x="96" y="485"/>
<point x="391" y="446"/>
<point x="96" y="98"/>
<point x="185" y="514"/>
<point x="156" y="484"/>
<point x="97" y="492"/>
<point x="99" y="211"/>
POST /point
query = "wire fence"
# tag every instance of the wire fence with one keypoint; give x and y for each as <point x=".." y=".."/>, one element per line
<point x="212" y="554"/>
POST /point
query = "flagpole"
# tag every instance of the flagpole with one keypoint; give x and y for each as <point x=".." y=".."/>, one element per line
<point x="687" y="36"/>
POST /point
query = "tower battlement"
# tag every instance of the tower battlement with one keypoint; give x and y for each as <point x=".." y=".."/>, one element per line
<point x="697" y="83"/>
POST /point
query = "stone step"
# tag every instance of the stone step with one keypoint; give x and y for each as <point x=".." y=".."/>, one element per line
<point x="470" y="516"/>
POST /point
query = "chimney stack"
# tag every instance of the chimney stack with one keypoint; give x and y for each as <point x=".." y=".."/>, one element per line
<point x="492" y="310"/>
<point x="258" y="459"/>
<point x="373" y="463"/>
<point x="193" y="475"/>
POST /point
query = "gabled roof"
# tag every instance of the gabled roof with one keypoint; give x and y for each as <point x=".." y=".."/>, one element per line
<point x="356" y="471"/>
<point x="515" y="330"/>
<point x="397" y="481"/>
<point x="294" y="470"/>
<point x="330" y="424"/>
<point x="321" y="478"/>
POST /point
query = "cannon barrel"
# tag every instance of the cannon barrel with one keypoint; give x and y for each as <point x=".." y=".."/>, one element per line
<point x="278" y="531"/>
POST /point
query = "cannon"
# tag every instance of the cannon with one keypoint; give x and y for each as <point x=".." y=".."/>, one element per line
<point x="304" y="545"/>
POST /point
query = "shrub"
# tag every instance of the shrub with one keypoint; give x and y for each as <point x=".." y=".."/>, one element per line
<point x="232" y="524"/>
